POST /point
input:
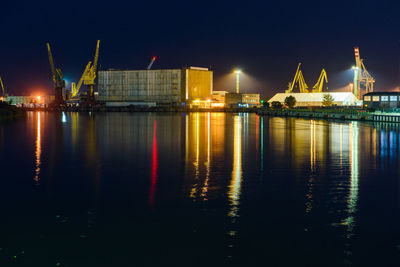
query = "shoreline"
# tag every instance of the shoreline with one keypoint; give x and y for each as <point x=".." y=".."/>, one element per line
<point x="350" y="114"/>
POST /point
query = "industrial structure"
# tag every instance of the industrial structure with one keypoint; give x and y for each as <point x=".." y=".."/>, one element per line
<point x="90" y="76"/>
<point x="381" y="100"/>
<point x="3" y="90"/>
<point x="155" y="87"/>
<point x="302" y="85"/>
<point x="30" y="100"/>
<point x="58" y="79"/>
<point x="227" y="99"/>
<point x="363" y="81"/>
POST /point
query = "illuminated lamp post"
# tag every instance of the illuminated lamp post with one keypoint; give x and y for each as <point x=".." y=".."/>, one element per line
<point x="237" y="80"/>
<point x="355" y="87"/>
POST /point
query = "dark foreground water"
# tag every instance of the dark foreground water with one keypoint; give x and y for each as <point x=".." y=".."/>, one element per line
<point x="201" y="189"/>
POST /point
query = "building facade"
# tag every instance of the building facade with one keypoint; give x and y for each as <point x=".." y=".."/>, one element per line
<point x="381" y="100"/>
<point x="169" y="86"/>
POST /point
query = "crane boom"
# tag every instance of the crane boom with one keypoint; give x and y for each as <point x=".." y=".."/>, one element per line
<point x="2" y="87"/>
<point x="76" y="87"/>
<point x="96" y="57"/>
<point x="151" y="63"/>
<point x="51" y="61"/>
<point x="291" y="84"/>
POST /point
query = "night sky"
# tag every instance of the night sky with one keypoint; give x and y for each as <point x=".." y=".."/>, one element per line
<point x="265" y="39"/>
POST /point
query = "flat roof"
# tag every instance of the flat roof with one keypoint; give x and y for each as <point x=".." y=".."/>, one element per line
<point x="382" y="93"/>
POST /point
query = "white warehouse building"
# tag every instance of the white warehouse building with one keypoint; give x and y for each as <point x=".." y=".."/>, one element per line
<point x="316" y="99"/>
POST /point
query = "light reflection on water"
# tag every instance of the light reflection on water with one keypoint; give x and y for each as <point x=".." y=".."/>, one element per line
<point x="235" y="180"/>
<point x="38" y="151"/>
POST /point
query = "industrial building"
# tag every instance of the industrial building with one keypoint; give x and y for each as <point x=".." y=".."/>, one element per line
<point x="235" y="99"/>
<point x="154" y="87"/>
<point x="316" y="99"/>
<point x="381" y="100"/>
<point x="29" y="101"/>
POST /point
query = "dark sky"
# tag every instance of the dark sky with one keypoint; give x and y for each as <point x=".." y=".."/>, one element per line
<point x="266" y="39"/>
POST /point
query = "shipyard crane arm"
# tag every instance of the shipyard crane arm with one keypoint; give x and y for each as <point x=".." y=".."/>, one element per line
<point x="291" y="84"/>
<point x="51" y="61"/>
<point x="57" y="74"/>
<point x="76" y="87"/>
<point x="2" y="87"/>
<point x="96" y="57"/>
<point x="320" y="83"/>
<point x="302" y="83"/>
<point x="151" y="63"/>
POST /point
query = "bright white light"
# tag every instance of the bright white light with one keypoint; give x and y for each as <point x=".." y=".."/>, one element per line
<point x="64" y="118"/>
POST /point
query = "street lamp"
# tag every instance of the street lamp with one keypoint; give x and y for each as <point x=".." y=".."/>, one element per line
<point x="237" y="80"/>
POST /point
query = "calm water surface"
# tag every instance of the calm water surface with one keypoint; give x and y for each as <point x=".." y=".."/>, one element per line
<point x="204" y="189"/>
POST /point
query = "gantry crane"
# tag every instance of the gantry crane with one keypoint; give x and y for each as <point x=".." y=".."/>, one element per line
<point x="90" y="76"/>
<point x="76" y="87"/>
<point x="58" y="79"/>
<point x="361" y="76"/>
<point x="151" y="63"/>
<point x="299" y="79"/>
<point x="320" y="83"/>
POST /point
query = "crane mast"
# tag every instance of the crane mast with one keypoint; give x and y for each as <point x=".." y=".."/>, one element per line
<point x="58" y="78"/>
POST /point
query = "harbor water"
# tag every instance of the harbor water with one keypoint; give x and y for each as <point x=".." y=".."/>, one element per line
<point x="198" y="189"/>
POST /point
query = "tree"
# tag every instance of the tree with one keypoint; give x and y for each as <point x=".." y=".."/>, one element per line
<point x="276" y="104"/>
<point x="290" y="101"/>
<point x="327" y="100"/>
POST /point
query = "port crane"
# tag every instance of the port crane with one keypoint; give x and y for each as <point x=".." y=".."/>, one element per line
<point x="151" y="63"/>
<point x="58" y="78"/>
<point x="361" y="77"/>
<point x="76" y="87"/>
<point x="320" y="83"/>
<point x="298" y="79"/>
<point x="2" y="88"/>
<point x="90" y="76"/>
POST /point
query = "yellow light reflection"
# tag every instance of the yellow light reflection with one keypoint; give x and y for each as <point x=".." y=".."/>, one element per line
<point x="353" y="195"/>
<point x="38" y="151"/>
<point x="196" y="164"/>
<point x="205" y="186"/>
<point x="236" y="182"/>
<point x="311" y="180"/>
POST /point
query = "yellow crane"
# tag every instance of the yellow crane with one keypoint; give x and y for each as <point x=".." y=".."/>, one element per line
<point x="90" y="76"/>
<point x="58" y="78"/>
<point x="320" y="83"/>
<point x="298" y="79"/>
<point x="76" y="87"/>
<point x="2" y="88"/>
